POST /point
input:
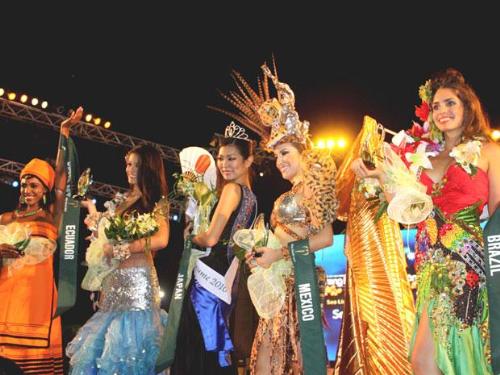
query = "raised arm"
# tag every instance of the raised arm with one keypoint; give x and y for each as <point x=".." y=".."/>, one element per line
<point x="61" y="178"/>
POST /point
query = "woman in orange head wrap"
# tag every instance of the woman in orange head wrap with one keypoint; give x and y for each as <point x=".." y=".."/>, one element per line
<point x="29" y="335"/>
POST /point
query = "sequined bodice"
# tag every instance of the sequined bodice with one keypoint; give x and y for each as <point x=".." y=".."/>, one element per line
<point x="288" y="210"/>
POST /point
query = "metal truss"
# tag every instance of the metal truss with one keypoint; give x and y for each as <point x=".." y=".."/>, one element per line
<point x="18" y="111"/>
<point x="13" y="168"/>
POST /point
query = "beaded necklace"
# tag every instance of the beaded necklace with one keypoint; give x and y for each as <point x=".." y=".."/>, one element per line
<point x="27" y="214"/>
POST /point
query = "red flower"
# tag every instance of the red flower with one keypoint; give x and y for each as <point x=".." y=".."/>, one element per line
<point x="416" y="131"/>
<point x="421" y="226"/>
<point x="409" y="147"/>
<point x="472" y="278"/>
<point x="423" y="111"/>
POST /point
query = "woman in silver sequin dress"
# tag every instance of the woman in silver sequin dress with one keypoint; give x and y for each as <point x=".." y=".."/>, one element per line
<point x="123" y="337"/>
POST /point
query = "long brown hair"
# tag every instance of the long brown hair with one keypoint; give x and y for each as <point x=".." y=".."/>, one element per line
<point x="150" y="177"/>
<point x="475" y="120"/>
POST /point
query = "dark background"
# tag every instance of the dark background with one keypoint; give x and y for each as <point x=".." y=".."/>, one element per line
<point x="152" y="71"/>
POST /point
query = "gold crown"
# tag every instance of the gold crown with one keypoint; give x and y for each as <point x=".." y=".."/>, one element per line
<point x="275" y="120"/>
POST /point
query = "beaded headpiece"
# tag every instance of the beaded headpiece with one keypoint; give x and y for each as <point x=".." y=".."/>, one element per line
<point x="275" y="119"/>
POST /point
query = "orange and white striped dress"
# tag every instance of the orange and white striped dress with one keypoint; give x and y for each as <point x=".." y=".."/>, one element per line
<point x="29" y="335"/>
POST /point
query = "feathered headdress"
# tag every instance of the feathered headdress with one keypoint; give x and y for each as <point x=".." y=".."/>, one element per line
<point x="274" y="119"/>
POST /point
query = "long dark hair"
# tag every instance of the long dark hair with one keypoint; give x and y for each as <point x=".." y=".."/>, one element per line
<point x="475" y="120"/>
<point x="151" y="179"/>
<point x="245" y="149"/>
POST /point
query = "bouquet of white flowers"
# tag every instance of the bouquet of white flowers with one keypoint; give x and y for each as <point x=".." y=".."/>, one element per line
<point x="130" y="227"/>
<point x="116" y="229"/>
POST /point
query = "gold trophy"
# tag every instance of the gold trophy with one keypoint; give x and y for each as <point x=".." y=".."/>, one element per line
<point x="83" y="185"/>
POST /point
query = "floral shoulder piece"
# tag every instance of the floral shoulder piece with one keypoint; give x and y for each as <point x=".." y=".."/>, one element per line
<point x="467" y="155"/>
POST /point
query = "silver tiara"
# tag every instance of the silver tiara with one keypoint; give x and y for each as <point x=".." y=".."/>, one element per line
<point x="235" y="131"/>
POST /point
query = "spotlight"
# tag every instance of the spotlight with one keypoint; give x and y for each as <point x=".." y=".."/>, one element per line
<point x="11" y="95"/>
<point x="24" y="98"/>
<point x="2" y="91"/>
<point x="15" y="183"/>
<point x="34" y="101"/>
<point x="341" y="143"/>
<point x="261" y="174"/>
<point x="330" y="143"/>
<point x="162" y="294"/>
<point x="107" y="124"/>
<point x="94" y="200"/>
<point x="60" y="109"/>
<point x="45" y="104"/>
<point x="321" y="144"/>
<point x="88" y="117"/>
<point x="97" y="120"/>
<point x="175" y="217"/>
<point x="495" y="134"/>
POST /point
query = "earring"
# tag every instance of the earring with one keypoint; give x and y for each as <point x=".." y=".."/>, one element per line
<point x="44" y="200"/>
<point x="22" y="200"/>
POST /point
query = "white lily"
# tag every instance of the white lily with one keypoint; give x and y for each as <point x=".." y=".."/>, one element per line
<point x="419" y="158"/>
<point x="467" y="154"/>
<point x="401" y="138"/>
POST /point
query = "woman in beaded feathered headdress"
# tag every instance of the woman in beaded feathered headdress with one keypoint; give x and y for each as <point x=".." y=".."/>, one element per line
<point x="304" y="212"/>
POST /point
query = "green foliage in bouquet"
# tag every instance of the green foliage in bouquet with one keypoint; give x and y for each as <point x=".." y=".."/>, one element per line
<point x="190" y="184"/>
<point x="22" y="245"/>
<point x="130" y="227"/>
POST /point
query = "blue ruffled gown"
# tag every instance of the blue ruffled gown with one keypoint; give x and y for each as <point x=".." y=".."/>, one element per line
<point x="124" y="336"/>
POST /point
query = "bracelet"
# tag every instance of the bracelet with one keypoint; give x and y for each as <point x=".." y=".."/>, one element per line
<point x="92" y="221"/>
<point x="147" y="244"/>
<point x="121" y="251"/>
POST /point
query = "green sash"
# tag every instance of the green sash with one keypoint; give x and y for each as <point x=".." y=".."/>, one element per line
<point x="312" y="341"/>
<point x="68" y="232"/>
<point x="491" y="236"/>
<point x="169" y="340"/>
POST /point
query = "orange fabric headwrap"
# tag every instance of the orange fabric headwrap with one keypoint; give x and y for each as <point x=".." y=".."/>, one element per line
<point x="42" y="170"/>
